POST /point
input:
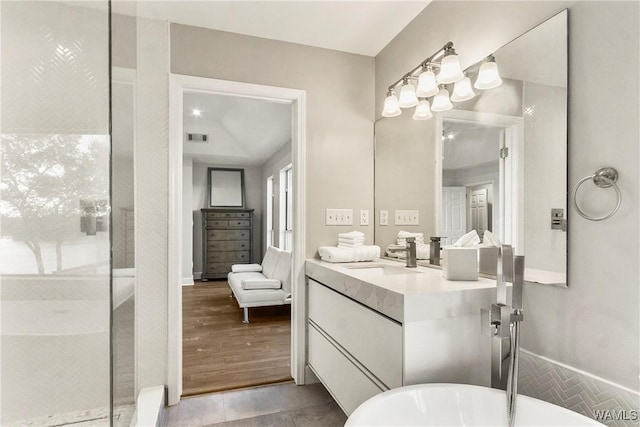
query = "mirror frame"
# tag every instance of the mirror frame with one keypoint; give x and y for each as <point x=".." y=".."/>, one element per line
<point x="227" y="192"/>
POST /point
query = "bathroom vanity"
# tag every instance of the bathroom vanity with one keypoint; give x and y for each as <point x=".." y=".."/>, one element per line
<point x="374" y="326"/>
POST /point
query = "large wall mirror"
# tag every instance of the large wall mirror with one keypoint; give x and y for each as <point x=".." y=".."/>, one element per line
<point x="497" y="162"/>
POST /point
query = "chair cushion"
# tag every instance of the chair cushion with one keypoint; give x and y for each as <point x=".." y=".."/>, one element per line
<point x="283" y="271"/>
<point x="270" y="261"/>
<point x="243" y="268"/>
<point x="261" y="284"/>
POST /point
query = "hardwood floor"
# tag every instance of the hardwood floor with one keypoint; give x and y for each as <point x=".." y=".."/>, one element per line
<point x="219" y="352"/>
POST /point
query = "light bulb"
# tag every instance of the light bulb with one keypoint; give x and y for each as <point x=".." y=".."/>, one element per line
<point x="391" y="107"/>
<point x="450" y="71"/>
<point x="488" y="76"/>
<point x="427" y="85"/>
<point x="441" y="101"/>
<point x="423" y="112"/>
<point x="462" y="91"/>
<point x="408" y="96"/>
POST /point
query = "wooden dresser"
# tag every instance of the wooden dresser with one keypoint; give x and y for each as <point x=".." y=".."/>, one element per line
<point x="226" y="240"/>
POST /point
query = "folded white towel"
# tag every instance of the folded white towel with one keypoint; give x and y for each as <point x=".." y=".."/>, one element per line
<point x="346" y="240"/>
<point x="351" y="234"/>
<point x="403" y="234"/>
<point x="422" y="251"/>
<point x="350" y="245"/>
<point x="469" y="239"/>
<point x="363" y="253"/>
<point x="403" y="241"/>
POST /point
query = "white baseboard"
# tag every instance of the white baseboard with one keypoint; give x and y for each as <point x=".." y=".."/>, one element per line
<point x="187" y="281"/>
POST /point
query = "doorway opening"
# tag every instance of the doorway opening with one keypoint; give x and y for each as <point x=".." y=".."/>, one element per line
<point x="222" y="127"/>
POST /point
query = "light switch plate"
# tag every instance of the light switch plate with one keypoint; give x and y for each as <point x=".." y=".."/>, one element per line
<point x="364" y="217"/>
<point x="406" y="217"/>
<point x="384" y="217"/>
<point x="339" y="217"/>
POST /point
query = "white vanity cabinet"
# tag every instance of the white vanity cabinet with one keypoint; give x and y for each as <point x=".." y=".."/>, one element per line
<point x="356" y="348"/>
<point x="367" y="335"/>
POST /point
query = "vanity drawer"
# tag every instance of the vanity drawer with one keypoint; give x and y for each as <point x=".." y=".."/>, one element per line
<point x="346" y="382"/>
<point x="228" y="234"/>
<point x="373" y="339"/>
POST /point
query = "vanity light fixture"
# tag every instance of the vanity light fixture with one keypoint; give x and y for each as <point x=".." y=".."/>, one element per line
<point x="488" y="75"/>
<point x="391" y="107"/>
<point x="427" y="85"/>
<point x="408" y="96"/>
<point x="462" y="90"/>
<point x="450" y="71"/>
<point x="423" y="110"/>
<point x="433" y="75"/>
<point x="441" y="101"/>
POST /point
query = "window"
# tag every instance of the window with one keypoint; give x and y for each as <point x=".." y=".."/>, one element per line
<point x="286" y="208"/>
<point x="271" y="200"/>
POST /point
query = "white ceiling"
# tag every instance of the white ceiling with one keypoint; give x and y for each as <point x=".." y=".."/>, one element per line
<point x="467" y="145"/>
<point x="355" y="26"/>
<point x="240" y="131"/>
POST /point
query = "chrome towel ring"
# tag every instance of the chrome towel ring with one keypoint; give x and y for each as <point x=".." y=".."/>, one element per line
<point x="603" y="178"/>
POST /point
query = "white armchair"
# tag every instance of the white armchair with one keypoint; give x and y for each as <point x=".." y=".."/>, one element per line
<point x="259" y="285"/>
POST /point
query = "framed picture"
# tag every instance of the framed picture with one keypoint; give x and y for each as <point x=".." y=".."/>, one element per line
<point x="226" y="188"/>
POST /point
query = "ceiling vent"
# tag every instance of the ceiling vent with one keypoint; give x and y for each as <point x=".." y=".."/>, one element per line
<point x="197" y="137"/>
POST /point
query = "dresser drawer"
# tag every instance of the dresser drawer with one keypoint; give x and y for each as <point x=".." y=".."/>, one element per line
<point x="217" y="223"/>
<point x="228" y="215"/>
<point x="373" y="339"/>
<point x="228" y="245"/>
<point x="219" y="267"/>
<point x="235" y="256"/>
<point x="346" y="382"/>
<point x="228" y="234"/>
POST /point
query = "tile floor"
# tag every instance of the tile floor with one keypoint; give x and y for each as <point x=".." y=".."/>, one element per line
<point x="286" y="405"/>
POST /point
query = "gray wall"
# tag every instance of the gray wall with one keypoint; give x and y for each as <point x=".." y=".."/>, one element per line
<point x="592" y="325"/>
<point x="340" y="98"/>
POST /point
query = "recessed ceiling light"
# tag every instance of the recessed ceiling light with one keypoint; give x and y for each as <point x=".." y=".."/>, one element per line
<point x="196" y="112"/>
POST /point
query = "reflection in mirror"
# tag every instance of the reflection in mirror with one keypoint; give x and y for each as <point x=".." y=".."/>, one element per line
<point x="494" y="163"/>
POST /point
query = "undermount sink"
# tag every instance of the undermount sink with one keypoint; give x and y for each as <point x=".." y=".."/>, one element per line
<point x="458" y="405"/>
<point x="381" y="269"/>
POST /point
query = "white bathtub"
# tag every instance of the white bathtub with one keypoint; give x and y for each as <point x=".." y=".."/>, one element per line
<point x="458" y="405"/>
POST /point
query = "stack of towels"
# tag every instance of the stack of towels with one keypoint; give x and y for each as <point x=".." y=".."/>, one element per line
<point x="353" y="239"/>
<point x="351" y="248"/>
<point x="422" y="250"/>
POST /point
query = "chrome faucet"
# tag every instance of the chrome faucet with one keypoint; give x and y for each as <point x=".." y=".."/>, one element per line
<point x="410" y="251"/>
<point x="502" y="324"/>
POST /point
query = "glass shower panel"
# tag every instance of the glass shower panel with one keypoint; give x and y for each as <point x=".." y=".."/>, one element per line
<point x="55" y="249"/>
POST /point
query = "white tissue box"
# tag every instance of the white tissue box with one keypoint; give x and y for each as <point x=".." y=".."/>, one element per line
<point x="488" y="260"/>
<point x="460" y="263"/>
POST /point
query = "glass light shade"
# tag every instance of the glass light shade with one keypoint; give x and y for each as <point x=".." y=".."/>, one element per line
<point x="423" y="112"/>
<point x="391" y="107"/>
<point x="462" y="91"/>
<point x="441" y="101"/>
<point x="427" y="85"/>
<point x="450" y="71"/>
<point x="408" y="96"/>
<point x="488" y="76"/>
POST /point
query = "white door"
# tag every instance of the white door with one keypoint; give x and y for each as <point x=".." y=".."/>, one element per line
<point x="478" y="211"/>
<point x="454" y="214"/>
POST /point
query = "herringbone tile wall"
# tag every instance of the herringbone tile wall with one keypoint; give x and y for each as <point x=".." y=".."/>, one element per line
<point x="557" y="384"/>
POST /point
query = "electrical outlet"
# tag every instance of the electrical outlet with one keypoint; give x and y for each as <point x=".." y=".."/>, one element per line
<point x="384" y="217"/>
<point x="364" y="217"/>
<point x="406" y="217"/>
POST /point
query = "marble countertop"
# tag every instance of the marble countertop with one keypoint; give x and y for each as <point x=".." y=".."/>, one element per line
<point x="410" y="293"/>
